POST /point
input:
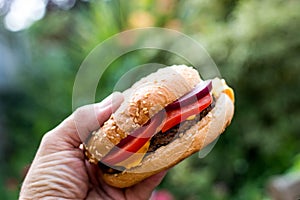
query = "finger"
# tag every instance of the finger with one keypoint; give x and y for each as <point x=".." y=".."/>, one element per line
<point x="76" y="128"/>
<point x="144" y="189"/>
<point x="89" y="118"/>
<point x="108" y="106"/>
<point x="108" y="100"/>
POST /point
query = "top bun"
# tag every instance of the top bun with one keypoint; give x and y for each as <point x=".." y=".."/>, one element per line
<point x="143" y="100"/>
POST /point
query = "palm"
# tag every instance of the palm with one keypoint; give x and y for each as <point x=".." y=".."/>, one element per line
<point x="70" y="176"/>
<point x="90" y="186"/>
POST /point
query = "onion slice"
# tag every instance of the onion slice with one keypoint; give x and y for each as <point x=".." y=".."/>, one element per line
<point x="199" y="91"/>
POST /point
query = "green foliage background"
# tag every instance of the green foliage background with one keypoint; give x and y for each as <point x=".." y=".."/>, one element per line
<point x="255" y="44"/>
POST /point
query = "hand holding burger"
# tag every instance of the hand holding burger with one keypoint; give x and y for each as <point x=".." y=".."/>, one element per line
<point x="60" y="171"/>
<point x="164" y="118"/>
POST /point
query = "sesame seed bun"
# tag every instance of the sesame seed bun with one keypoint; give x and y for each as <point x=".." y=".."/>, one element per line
<point x="142" y="101"/>
<point x="196" y="138"/>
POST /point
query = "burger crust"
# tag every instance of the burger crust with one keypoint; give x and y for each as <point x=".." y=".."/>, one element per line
<point x="142" y="101"/>
<point x="196" y="138"/>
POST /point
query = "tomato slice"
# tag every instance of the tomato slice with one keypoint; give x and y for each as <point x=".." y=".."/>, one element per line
<point x="132" y="143"/>
<point x="176" y="116"/>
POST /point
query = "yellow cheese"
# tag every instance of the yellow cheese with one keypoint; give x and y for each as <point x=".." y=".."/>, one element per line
<point x="136" y="158"/>
<point x="191" y="117"/>
<point x="229" y="92"/>
<point x="219" y="85"/>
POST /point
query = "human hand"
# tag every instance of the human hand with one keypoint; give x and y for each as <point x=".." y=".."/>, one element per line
<point x="59" y="169"/>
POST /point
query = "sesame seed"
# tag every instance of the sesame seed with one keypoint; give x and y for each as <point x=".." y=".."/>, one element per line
<point x="98" y="154"/>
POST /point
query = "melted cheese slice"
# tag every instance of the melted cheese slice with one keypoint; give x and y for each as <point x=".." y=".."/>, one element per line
<point x="229" y="93"/>
<point x="191" y="117"/>
<point x="135" y="158"/>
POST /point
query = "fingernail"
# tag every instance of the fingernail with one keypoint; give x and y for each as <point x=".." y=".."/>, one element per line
<point x="116" y="96"/>
<point x="111" y="103"/>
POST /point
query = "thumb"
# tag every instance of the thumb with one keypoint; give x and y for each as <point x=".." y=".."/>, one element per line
<point x="76" y="128"/>
<point x="90" y="117"/>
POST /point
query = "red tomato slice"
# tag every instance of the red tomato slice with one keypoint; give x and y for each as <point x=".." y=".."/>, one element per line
<point x="176" y="116"/>
<point x="132" y="143"/>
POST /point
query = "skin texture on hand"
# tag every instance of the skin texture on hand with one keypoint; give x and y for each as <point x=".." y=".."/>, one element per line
<point x="59" y="169"/>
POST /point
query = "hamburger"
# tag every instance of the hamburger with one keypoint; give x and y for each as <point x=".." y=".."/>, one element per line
<point x="165" y="117"/>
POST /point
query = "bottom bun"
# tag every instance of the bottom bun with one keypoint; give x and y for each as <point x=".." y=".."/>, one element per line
<point x="196" y="138"/>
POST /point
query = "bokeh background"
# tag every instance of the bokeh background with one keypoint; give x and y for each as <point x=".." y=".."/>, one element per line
<point x="255" y="44"/>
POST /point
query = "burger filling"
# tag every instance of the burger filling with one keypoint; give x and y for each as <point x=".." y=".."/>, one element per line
<point x="162" y="139"/>
<point x="158" y="140"/>
<point x="174" y="121"/>
<point x="132" y="149"/>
